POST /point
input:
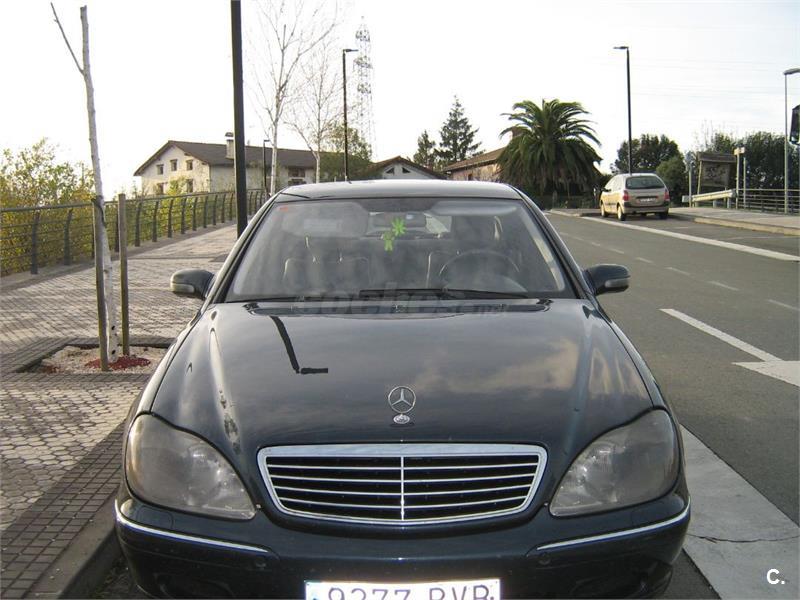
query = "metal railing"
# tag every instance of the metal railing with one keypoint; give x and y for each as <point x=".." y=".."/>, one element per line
<point x="762" y="200"/>
<point x="32" y="237"/>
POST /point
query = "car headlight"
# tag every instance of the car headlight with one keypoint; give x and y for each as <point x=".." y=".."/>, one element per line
<point x="626" y="466"/>
<point x="166" y="466"/>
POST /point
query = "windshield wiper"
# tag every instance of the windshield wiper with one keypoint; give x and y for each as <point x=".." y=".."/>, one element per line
<point x="444" y="293"/>
<point x="278" y="298"/>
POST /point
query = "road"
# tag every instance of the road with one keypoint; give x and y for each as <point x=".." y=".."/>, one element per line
<point x="710" y="319"/>
<point x="725" y="306"/>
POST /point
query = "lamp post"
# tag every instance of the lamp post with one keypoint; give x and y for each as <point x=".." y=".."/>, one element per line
<point x="628" y="69"/>
<point x="264" y="161"/>
<point x="786" y="74"/>
<point x="344" y="94"/>
<point x="239" y="166"/>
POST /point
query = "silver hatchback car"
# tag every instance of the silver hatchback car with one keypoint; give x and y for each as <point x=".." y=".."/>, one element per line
<point x="635" y="193"/>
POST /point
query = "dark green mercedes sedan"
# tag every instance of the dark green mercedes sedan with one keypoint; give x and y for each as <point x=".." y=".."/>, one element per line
<point x="402" y="390"/>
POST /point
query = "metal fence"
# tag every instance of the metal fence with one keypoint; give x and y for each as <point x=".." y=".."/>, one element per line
<point x="761" y="200"/>
<point x="32" y="237"/>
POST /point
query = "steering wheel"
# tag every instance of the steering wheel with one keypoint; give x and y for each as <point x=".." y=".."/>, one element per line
<point x="493" y="254"/>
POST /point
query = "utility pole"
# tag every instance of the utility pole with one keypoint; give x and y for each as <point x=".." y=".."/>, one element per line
<point x="344" y="95"/>
<point x="239" y="165"/>
<point x="628" y="70"/>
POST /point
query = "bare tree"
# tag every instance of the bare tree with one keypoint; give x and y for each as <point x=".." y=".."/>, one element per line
<point x="319" y="106"/>
<point x="106" y="304"/>
<point x="288" y="32"/>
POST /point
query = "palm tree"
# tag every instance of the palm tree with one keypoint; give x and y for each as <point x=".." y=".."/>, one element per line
<point x="549" y="149"/>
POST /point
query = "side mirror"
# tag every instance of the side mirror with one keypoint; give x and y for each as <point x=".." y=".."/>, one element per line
<point x="606" y="189"/>
<point x="609" y="279"/>
<point x="191" y="283"/>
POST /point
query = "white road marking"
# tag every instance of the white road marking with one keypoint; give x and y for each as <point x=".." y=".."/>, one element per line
<point x="772" y="366"/>
<point x="699" y="240"/>
<point x="679" y="271"/>
<point x="785" y="370"/>
<point x="789" y="306"/>
<point x="736" y="535"/>
<point x="724" y="285"/>
<point x="613" y="250"/>
<point x="644" y="260"/>
<point x="721" y="335"/>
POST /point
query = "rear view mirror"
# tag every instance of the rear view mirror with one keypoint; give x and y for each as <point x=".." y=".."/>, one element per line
<point x="191" y="283"/>
<point x="609" y="279"/>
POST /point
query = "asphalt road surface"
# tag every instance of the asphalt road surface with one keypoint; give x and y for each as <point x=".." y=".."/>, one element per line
<point x="695" y="310"/>
<point x="719" y="325"/>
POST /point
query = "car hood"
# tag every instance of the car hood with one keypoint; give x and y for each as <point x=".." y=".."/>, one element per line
<point x="553" y="374"/>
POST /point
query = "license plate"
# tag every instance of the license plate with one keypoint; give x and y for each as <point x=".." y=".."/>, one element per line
<point x="478" y="589"/>
<point x="648" y="199"/>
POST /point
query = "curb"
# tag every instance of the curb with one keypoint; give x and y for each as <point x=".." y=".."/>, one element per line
<point x="577" y="212"/>
<point x="83" y="566"/>
<point x="739" y="225"/>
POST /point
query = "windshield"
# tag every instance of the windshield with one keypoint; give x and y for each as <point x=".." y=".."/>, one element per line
<point x="365" y="248"/>
<point x="644" y="182"/>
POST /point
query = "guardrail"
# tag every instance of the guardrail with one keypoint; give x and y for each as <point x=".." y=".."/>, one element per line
<point x="761" y="200"/>
<point x="32" y="237"/>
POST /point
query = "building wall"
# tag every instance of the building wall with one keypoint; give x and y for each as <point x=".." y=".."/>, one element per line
<point x="210" y="179"/>
<point x="199" y="175"/>
<point x="481" y="173"/>
<point x="222" y="178"/>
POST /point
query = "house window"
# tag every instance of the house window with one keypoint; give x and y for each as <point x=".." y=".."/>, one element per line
<point x="406" y="170"/>
<point x="295" y="172"/>
<point x="160" y="169"/>
<point x="190" y="165"/>
<point x="173" y="164"/>
<point x="160" y="187"/>
<point x="389" y="171"/>
<point x="189" y="186"/>
<point x="297" y="181"/>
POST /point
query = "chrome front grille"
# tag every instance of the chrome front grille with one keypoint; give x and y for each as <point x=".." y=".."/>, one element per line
<point x="402" y="484"/>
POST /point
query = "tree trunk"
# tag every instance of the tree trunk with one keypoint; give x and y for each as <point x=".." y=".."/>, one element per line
<point x="101" y="246"/>
<point x="316" y="169"/>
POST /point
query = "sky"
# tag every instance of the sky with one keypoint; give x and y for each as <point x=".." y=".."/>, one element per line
<point x="162" y="70"/>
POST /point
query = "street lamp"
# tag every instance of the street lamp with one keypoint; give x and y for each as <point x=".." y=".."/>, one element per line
<point x="786" y="74"/>
<point x="628" y="67"/>
<point x="264" y="160"/>
<point x="344" y="94"/>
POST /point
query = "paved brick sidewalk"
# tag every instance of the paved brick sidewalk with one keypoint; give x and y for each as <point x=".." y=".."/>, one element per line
<point x="59" y="434"/>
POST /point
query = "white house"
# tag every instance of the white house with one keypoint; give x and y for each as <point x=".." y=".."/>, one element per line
<point x="200" y="167"/>
<point x="402" y="168"/>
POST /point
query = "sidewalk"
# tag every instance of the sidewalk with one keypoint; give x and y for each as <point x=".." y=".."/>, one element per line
<point x="742" y="219"/>
<point x="60" y="435"/>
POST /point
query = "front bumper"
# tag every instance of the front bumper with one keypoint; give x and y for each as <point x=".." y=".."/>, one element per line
<point x="177" y="555"/>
